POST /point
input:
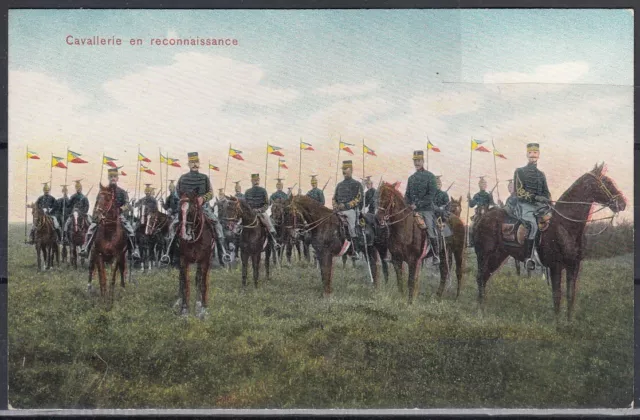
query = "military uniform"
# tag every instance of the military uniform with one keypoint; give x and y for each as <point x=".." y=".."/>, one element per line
<point x="421" y="192"/>
<point x="198" y="183"/>
<point x="79" y="201"/>
<point x="348" y="195"/>
<point x="279" y="194"/>
<point x="315" y="192"/>
<point x="122" y="203"/>
<point x="258" y="200"/>
<point x="47" y="203"/>
<point x="172" y="204"/>
<point x="239" y="191"/>
<point x="532" y="193"/>
<point x="147" y="201"/>
<point x="369" y="197"/>
<point x="62" y="210"/>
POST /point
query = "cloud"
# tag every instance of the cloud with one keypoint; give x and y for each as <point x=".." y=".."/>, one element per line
<point x="446" y="103"/>
<point x="347" y="90"/>
<point x="172" y="34"/>
<point x="563" y="73"/>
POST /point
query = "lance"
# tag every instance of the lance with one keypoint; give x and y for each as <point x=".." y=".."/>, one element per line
<point x="447" y="190"/>
<point x="364" y="237"/>
<point x="326" y="183"/>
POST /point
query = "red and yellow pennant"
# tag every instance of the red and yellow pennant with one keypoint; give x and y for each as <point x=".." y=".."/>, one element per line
<point x="214" y="168"/>
<point x="147" y="170"/>
<point x="368" y="151"/>
<point x="306" y="146"/>
<point x="476" y="145"/>
<point x="282" y="164"/>
<point x="345" y="146"/>
<point x="143" y="158"/>
<point x="274" y="150"/>
<point x="73" y="157"/>
<point x="430" y="146"/>
<point x="109" y="161"/>
<point x="236" y="154"/>
<point x="32" y="155"/>
<point x="58" y="162"/>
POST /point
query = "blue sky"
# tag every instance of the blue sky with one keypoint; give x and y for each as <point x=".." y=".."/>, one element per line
<point x="562" y="77"/>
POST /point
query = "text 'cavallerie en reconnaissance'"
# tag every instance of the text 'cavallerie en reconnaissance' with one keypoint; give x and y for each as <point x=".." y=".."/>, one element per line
<point x="114" y="41"/>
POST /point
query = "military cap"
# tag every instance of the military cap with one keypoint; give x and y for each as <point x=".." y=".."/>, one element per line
<point x="193" y="157"/>
<point x="482" y="180"/>
<point x="221" y="190"/>
<point x="64" y="188"/>
<point x="77" y="183"/>
<point x="254" y="176"/>
<point x="314" y="179"/>
<point x="533" y="147"/>
<point x="237" y="183"/>
<point x="148" y="189"/>
<point x="347" y="164"/>
<point x="112" y="171"/>
<point x="46" y="186"/>
<point x="418" y="154"/>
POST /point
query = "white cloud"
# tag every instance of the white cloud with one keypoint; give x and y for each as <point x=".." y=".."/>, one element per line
<point x="563" y="73"/>
<point x="446" y="103"/>
<point x="347" y="90"/>
<point x="172" y="34"/>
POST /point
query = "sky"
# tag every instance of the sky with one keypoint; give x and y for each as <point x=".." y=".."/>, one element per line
<point x="390" y="78"/>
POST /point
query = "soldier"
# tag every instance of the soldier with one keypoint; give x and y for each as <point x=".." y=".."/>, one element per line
<point x="148" y="200"/>
<point x="441" y="199"/>
<point x="532" y="194"/>
<point x="200" y="183"/>
<point x="80" y="201"/>
<point x="47" y="203"/>
<point x="421" y="191"/>
<point x="258" y="200"/>
<point x="369" y="196"/>
<point x="122" y="201"/>
<point x="315" y="192"/>
<point x="62" y="210"/>
<point x="347" y="200"/>
<point x="482" y="197"/>
<point x="239" y="190"/>
<point x="512" y="200"/>
<point x="172" y="204"/>
<point x="279" y="194"/>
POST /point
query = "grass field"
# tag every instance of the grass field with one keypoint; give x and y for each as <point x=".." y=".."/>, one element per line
<point x="282" y="346"/>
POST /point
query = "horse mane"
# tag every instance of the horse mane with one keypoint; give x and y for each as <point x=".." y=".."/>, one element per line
<point x="598" y="171"/>
<point x="395" y="194"/>
<point x="311" y="206"/>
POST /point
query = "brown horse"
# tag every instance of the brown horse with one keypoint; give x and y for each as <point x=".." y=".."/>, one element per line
<point x="45" y="238"/>
<point x="253" y="238"/>
<point x="76" y="234"/>
<point x="197" y="240"/>
<point x="561" y="243"/>
<point x="284" y="227"/>
<point x="328" y="233"/>
<point x="110" y="245"/>
<point x="152" y="233"/>
<point x="407" y="242"/>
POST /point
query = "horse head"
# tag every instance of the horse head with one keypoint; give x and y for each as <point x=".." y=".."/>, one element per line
<point x="602" y="190"/>
<point x="456" y="206"/>
<point x="277" y="212"/>
<point x="106" y="203"/>
<point x="389" y="203"/>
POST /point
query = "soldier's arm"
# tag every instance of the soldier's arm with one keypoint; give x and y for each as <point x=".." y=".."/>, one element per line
<point x="357" y="200"/>
<point x="473" y="201"/>
<point x="520" y="191"/>
<point x="209" y="194"/>
<point x="491" y="202"/>
<point x="125" y="198"/>
<point x="408" y="195"/>
<point x="334" y="202"/>
<point x="545" y="187"/>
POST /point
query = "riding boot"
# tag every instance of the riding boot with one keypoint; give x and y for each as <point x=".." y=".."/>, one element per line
<point x="59" y="235"/>
<point x="435" y="249"/>
<point x="529" y="263"/>
<point x="84" y="251"/>
<point x="135" y="253"/>
<point x="226" y="257"/>
<point x="165" y="258"/>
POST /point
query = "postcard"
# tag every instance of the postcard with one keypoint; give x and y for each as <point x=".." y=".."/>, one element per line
<point x="320" y="209"/>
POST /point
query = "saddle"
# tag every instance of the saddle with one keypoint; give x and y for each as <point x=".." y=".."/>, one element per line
<point x="441" y="225"/>
<point x="515" y="230"/>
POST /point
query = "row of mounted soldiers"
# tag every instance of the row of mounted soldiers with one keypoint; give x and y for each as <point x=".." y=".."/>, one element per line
<point x="424" y="195"/>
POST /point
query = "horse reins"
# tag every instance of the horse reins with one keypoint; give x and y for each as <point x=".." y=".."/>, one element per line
<point x="195" y="222"/>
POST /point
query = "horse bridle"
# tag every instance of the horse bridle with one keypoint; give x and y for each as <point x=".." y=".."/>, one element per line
<point x="237" y="211"/>
<point x="195" y="223"/>
<point x="101" y="212"/>
<point x="388" y="215"/>
<point x="603" y="187"/>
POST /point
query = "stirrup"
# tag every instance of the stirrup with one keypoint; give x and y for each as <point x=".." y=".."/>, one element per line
<point x="165" y="259"/>
<point x="530" y="264"/>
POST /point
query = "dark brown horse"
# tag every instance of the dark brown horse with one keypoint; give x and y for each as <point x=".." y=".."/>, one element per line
<point x="284" y="227"/>
<point x="561" y="244"/>
<point x="110" y="245"/>
<point x="328" y="234"/>
<point x="407" y="242"/>
<point x="253" y="239"/>
<point x="196" y="247"/>
<point x="45" y="238"/>
<point x="76" y="234"/>
<point x="152" y="233"/>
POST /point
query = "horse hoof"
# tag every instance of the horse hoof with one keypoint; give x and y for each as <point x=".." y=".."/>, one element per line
<point x="177" y="304"/>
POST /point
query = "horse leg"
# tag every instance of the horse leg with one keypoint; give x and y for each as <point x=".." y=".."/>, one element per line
<point x="38" y="252"/>
<point x="458" y="255"/>
<point x="92" y="267"/>
<point x="102" y="276"/>
<point x="114" y="273"/>
<point x="397" y="265"/>
<point x="184" y="285"/>
<point x="556" y="289"/>
<point x="344" y="260"/>
<point x="487" y="265"/>
<point x="244" y="256"/>
<point x="255" y="263"/>
<point x="267" y="265"/>
<point x="326" y="272"/>
<point x="445" y="267"/>
<point x="572" y="280"/>
<point x="382" y="251"/>
<point x="414" y="278"/>
<point x="122" y="267"/>
<point x="373" y="264"/>
<point x="517" y="263"/>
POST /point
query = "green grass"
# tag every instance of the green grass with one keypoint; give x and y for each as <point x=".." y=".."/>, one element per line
<point x="283" y="346"/>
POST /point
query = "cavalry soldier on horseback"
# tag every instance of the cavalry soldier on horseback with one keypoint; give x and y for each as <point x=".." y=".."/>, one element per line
<point x="279" y="194"/>
<point x="441" y="199"/>
<point x="482" y="198"/>
<point x="347" y="200"/>
<point x="194" y="181"/>
<point x="172" y="204"/>
<point x="420" y="194"/>
<point x="512" y="201"/>
<point x="258" y="200"/>
<point x="62" y="210"/>
<point x="122" y="201"/>
<point x="239" y="190"/>
<point x="148" y="199"/>
<point x="315" y="192"/>
<point x="532" y="194"/>
<point x="47" y="203"/>
<point x="369" y="196"/>
<point x="80" y="201"/>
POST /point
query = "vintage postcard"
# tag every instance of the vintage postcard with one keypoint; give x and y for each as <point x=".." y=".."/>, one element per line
<point x="357" y="209"/>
